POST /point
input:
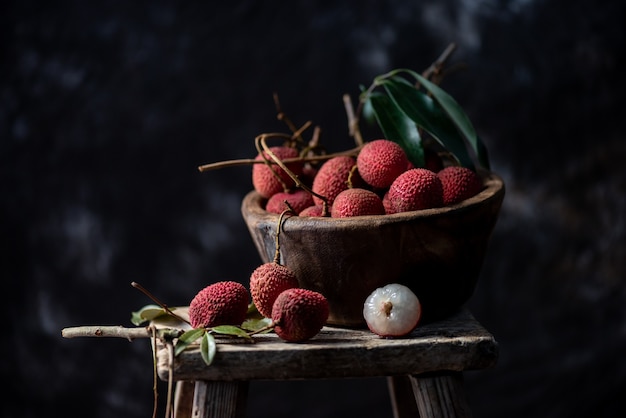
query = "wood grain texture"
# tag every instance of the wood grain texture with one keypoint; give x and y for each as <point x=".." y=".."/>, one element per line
<point x="456" y="344"/>
<point x="219" y="400"/>
<point x="441" y="396"/>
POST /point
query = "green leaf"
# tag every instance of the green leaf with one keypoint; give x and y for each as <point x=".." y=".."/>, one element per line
<point x="230" y="330"/>
<point x="397" y="127"/>
<point x="208" y="348"/>
<point x="255" y="324"/>
<point x="188" y="337"/>
<point x="458" y="117"/>
<point x="428" y="115"/>
<point x="147" y="313"/>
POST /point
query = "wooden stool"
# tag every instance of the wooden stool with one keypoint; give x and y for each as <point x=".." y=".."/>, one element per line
<point x="424" y="370"/>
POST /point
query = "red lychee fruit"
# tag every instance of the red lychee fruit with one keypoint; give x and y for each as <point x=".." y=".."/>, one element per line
<point x="389" y="209"/>
<point x="380" y="162"/>
<point x="267" y="282"/>
<point x="415" y="189"/>
<point x="357" y="202"/>
<point x="299" y="314"/>
<point x="264" y="180"/>
<point x="315" y="210"/>
<point x="459" y="183"/>
<point x="297" y="200"/>
<point x="221" y="303"/>
<point x="332" y="178"/>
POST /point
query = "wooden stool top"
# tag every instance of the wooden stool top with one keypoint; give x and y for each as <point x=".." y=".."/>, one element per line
<point x="455" y="344"/>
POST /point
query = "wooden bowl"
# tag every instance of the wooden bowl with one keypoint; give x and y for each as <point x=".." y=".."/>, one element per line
<point x="438" y="253"/>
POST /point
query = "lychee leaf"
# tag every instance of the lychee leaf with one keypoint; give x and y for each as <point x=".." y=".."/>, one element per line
<point x="147" y="313"/>
<point x="230" y="330"/>
<point x="187" y="338"/>
<point x="253" y="312"/>
<point x="256" y="324"/>
<point x="397" y="127"/>
<point x="428" y="115"/>
<point x="458" y="117"/>
<point x="208" y="348"/>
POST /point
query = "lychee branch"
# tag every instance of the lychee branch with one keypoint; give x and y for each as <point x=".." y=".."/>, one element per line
<point x="434" y="70"/>
<point x="158" y="302"/>
<point x="280" y="221"/>
<point x="262" y="145"/>
<point x="250" y="161"/>
<point x="118" y="331"/>
<point x="260" y="140"/>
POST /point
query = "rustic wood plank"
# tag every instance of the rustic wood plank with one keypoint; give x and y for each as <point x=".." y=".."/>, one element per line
<point x="220" y="399"/>
<point x="456" y="344"/>
<point x="183" y="399"/>
<point x="441" y="396"/>
<point x="403" y="404"/>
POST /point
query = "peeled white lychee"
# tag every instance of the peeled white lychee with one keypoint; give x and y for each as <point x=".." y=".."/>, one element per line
<point x="392" y="310"/>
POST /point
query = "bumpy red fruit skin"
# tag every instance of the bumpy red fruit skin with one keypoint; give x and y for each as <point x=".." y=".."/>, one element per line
<point x="357" y="202"/>
<point x="415" y="189"/>
<point x="221" y="303"/>
<point x="267" y="282"/>
<point x="265" y="182"/>
<point x="380" y="162"/>
<point x="459" y="183"/>
<point x="315" y="210"/>
<point x="299" y="314"/>
<point x="332" y="178"/>
<point x="298" y="200"/>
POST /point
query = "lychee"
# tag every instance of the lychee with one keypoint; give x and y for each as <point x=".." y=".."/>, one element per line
<point x="299" y="314"/>
<point x="296" y="200"/>
<point x="459" y="183"/>
<point x="267" y="282"/>
<point x="221" y="303"/>
<point x="392" y="310"/>
<point x="380" y="162"/>
<point x="315" y="210"/>
<point x="357" y="202"/>
<point x="332" y="178"/>
<point x="415" y="189"/>
<point x="265" y="181"/>
<point x="389" y="209"/>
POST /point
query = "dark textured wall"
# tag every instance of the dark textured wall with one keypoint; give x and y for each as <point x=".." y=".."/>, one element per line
<point x="107" y="108"/>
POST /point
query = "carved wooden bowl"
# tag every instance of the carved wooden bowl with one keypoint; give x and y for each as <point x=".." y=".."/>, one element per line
<point x="438" y="253"/>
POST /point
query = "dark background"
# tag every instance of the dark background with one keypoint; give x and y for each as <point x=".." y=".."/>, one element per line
<point x="107" y="109"/>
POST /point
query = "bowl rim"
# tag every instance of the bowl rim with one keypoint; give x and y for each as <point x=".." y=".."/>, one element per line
<point x="251" y="207"/>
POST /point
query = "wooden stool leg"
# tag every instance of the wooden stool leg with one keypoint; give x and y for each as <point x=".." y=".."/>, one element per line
<point x="402" y="398"/>
<point x="220" y="399"/>
<point x="183" y="399"/>
<point x="440" y="396"/>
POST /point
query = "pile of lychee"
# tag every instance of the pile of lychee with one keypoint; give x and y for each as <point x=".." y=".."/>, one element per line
<point x="379" y="180"/>
<point x="296" y="314"/>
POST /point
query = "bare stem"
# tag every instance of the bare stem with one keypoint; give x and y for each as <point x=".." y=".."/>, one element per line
<point x="158" y="302"/>
<point x="107" y="331"/>
<point x="353" y="121"/>
<point x="170" y="380"/>
<point x="260" y="140"/>
<point x="268" y="161"/>
<point x="155" y="377"/>
<point x="265" y="328"/>
<point x="233" y="163"/>
<point x="435" y="67"/>
<point x="280" y="222"/>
